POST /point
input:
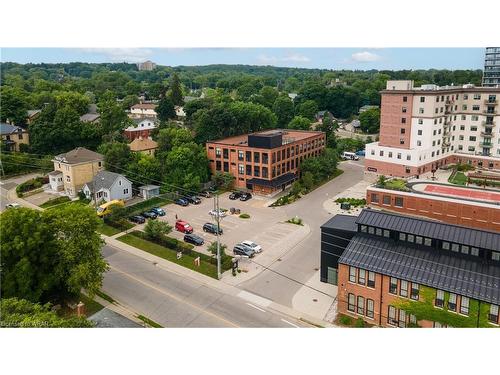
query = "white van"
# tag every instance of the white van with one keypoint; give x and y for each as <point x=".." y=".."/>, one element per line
<point x="349" y="156"/>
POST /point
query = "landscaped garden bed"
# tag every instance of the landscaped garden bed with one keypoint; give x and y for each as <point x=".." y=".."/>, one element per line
<point x="30" y="185"/>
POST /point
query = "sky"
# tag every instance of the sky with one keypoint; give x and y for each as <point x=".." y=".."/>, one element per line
<point x="324" y="58"/>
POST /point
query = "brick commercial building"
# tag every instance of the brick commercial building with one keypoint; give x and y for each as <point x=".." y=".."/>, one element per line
<point x="399" y="271"/>
<point x="423" y="128"/>
<point x="471" y="207"/>
<point x="266" y="161"/>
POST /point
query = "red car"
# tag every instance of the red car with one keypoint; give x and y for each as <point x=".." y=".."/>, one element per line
<point x="183" y="227"/>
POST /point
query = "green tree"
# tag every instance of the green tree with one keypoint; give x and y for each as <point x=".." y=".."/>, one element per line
<point x="25" y="314"/>
<point x="113" y="117"/>
<point x="370" y="120"/>
<point x="283" y="108"/>
<point x="117" y="156"/>
<point x="144" y="170"/>
<point x="15" y="105"/>
<point x="176" y="90"/>
<point x="307" y="109"/>
<point x="186" y="166"/>
<point x="299" y="123"/>
<point x="156" y="229"/>
<point x="165" y="109"/>
<point x="307" y="180"/>
<point x="172" y="136"/>
<point x="224" y="180"/>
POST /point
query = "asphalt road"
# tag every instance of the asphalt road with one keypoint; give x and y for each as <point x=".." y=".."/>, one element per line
<point x="175" y="301"/>
<point x="7" y="184"/>
<point x="299" y="264"/>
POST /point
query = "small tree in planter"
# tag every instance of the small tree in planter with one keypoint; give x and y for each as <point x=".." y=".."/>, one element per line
<point x="381" y="180"/>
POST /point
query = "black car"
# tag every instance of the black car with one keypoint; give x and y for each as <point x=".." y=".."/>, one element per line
<point x="137" y="219"/>
<point x="235" y="195"/>
<point x="194" y="239"/>
<point x="149" y="215"/>
<point x="245" y="197"/>
<point x="239" y="249"/>
<point x="193" y="199"/>
<point x="211" y="228"/>
<point x="182" y="202"/>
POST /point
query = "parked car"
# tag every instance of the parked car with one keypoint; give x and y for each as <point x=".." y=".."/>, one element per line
<point x="252" y="245"/>
<point x="361" y="153"/>
<point x="206" y="194"/>
<point x="239" y="249"/>
<point x="211" y="228"/>
<point x="194" y="239"/>
<point x="245" y="197"/>
<point x="349" y="156"/>
<point x="193" y="199"/>
<point x="181" y="202"/>
<point x="184" y="227"/>
<point x="159" y="211"/>
<point x="219" y="214"/>
<point x="12" y="205"/>
<point x="149" y="215"/>
<point x="106" y="208"/>
<point x="137" y="219"/>
<point x="235" y="195"/>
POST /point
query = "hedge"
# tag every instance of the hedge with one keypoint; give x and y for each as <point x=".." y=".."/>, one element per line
<point x="34" y="183"/>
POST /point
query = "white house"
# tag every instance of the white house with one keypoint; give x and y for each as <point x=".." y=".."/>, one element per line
<point x="108" y="186"/>
<point x="179" y="111"/>
<point x="143" y="110"/>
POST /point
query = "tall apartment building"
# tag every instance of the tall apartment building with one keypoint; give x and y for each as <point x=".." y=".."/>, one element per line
<point x="491" y="74"/>
<point x="146" y="65"/>
<point x="266" y="161"/>
<point x="423" y="128"/>
<point x="399" y="271"/>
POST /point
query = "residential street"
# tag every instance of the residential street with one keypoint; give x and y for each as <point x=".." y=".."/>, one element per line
<point x="173" y="300"/>
<point x="302" y="261"/>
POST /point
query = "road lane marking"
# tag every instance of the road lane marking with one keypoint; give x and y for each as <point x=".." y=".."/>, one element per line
<point x="173" y="296"/>
<point x="250" y="297"/>
<point x="287" y="322"/>
<point x="255" y="307"/>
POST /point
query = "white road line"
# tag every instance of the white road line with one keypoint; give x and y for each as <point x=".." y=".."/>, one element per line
<point x="287" y="322"/>
<point x="255" y="307"/>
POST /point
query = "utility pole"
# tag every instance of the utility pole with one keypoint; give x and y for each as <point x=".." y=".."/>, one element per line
<point x="217" y="218"/>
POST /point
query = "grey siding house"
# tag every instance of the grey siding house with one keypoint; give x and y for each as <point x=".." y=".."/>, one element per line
<point x="108" y="186"/>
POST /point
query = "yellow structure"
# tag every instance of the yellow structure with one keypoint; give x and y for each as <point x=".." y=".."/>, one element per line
<point x="106" y="208"/>
<point x="76" y="167"/>
<point x="13" y="136"/>
<point x="145" y="146"/>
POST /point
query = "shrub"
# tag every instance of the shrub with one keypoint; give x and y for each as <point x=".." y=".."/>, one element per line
<point x="295" y="220"/>
<point x="355" y="202"/>
<point x="360" y="323"/>
<point x="244" y="216"/>
<point x="345" y="320"/>
<point x="464" y="167"/>
<point x="34" y="183"/>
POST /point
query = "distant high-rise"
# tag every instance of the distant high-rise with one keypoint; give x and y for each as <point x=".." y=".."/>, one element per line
<point x="146" y="65"/>
<point x="491" y="75"/>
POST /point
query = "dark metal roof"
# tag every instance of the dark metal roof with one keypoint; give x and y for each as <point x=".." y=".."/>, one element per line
<point x="430" y="267"/>
<point x="342" y="222"/>
<point x="432" y="229"/>
<point x="283" y="179"/>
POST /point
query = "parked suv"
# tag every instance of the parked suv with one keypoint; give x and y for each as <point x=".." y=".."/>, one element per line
<point x="245" y="197"/>
<point x="149" y="215"/>
<point x="211" y="228"/>
<point x="252" y="245"/>
<point x="158" y="211"/>
<point x="240" y="249"/>
<point x="193" y="199"/>
<point x="182" y="202"/>
<point x="183" y="227"/>
<point x="137" y="219"/>
<point x="235" y="195"/>
<point x="194" y="239"/>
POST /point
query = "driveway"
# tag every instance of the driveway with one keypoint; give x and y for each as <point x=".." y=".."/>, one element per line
<point x="11" y="183"/>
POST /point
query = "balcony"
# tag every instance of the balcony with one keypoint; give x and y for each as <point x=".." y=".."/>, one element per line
<point x="445" y="144"/>
<point x="486" y="144"/>
<point x="448" y="102"/>
<point x="490" y="102"/>
<point x="490" y="112"/>
<point x="487" y="134"/>
<point x="489" y="124"/>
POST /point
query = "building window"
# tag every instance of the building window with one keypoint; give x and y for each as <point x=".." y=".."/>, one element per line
<point x="402" y="236"/>
<point x="455" y="247"/>
<point x="68" y="179"/>
<point x="402" y="319"/>
<point x="352" y="274"/>
<point x="378" y="231"/>
<point x="374" y="198"/>
<point x="474" y="251"/>
<point x="369" y="308"/>
<point x="240" y="155"/>
<point x="386" y="199"/>
<point x="493" y="315"/>
<point x="410" y="238"/>
<point x="265" y="173"/>
<point x="361" y="277"/>
<point x="226" y="166"/>
<point x="99" y="164"/>
<point x="371" y="230"/>
<point x="387" y="234"/>
<point x="398" y="202"/>
<point x="218" y="151"/>
<point x="241" y="169"/>
<point x="405" y="99"/>
<point x="414" y="291"/>
<point x="265" y="158"/>
<point x="403" y="288"/>
<point x="125" y="191"/>
<point x="419" y="240"/>
<point x="248" y="170"/>
<point x="248" y="156"/>
<point x="363" y="228"/>
<point x="464" y="305"/>
<point x="452" y="302"/>
<point x="445" y="245"/>
<point x="351" y="302"/>
<point x="391" y="316"/>
<point x="256" y="171"/>
<point x="371" y="279"/>
<point x="465" y="249"/>
<point x="393" y="285"/>
<point x="422" y="99"/>
<point x="225" y="153"/>
<point x="361" y="305"/>
<point x="256" y="157"/>
<point x="427" y="241"/>
<point x="495" y="255"/>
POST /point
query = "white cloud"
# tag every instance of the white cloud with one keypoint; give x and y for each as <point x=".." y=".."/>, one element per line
<point x="131" y="55"/>
<point x="365" y="57"/>
<point x="290" y="58"/>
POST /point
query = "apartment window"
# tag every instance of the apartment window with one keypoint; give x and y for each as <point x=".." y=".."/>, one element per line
<point x="68" y="179"/>
<point x="240" y="155"/>
<point x="218" y="151"/>
<point x="378" y="231"/>
<point x="472" y="138"/>
<point x="265" y="158"/>
<point x="226" y="166"/>
<point x="403" y="120"/>
<point x="387" y="234"/>
<point x="405" y="99"/>
<point x="493" y="315"/>
<point x="372" y="152"/>
<point x="393" y="285"/>
<point x="398" y="202"/>
<point x="455" y="247"/>
<point x="256" y="157"/>
<point x="495" y="255"/>
<point x="390" y="154"/>
<point x="248" y="156"/>
<point x="403" y="130"/>
<point x="225" y="153"/>
<point x="369" y="308"/>
<point x="399" y="155"/>
<point x="256" y="171"/>
<point x="414" y="291"/>
<point x="402" y="236"/>
<point x="371" y="230"/>
<point x="265" y="173"/>
<point x="474" y="118"/>
<point x="465" y="249"/>
<point x="248" y="170"/>
<point x="352" y="274"/>
<point x="427" y="242"/>
<point x="413" y="319"/>
<point x="464" y="305"/>
<point x="466" y="96"/>
<point x="410" y="238"/>
<point x="419" y="132"/>
<point x="401" y="141"/>
<point x="351" y="302"/>
<point x="419" y="240"/>
<point x="361" y="277"/>
<point x="125" y="191"/>
<point x="474" y="251"/>
<point x="439" y="302"/>
<point x="381" y="153"/>
<point x="241" y="169"/>
<point x="421" y="111"/>
<point x="419" y="143"/>
<point x="391" y="316"/>
<point x="477" y="96"/>
<point x="422" y="99"/>
<point x="403" y="109"/>
<point x="361" y="305"/>
<point x="403" y="288"/>
<point x="371" y="279"/>
<point x="402" y="319"/>
<point x="218" y="165"/>
<point x="452" y="302"/>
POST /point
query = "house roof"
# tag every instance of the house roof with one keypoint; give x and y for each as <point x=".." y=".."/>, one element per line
<point x="436" y="269"/>
<point x="55" y="173"/>
<point x="143" y="144"/>
<point x="9" y="129"/>
<point x="283" y="179"/>
<point x="90" y="117"/>
<point x="138" y="120"/>
<point x="428" y="228"/>
<point x="149" y="187"/>
<point x="79" y="155"/>
<point x="33" y="112"/>
<point x="144" y="106"/>
<point x="104" y="180"/>
<point x="342" y="222"/>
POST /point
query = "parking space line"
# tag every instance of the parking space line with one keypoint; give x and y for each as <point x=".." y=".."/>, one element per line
<point x="255" y="307"/>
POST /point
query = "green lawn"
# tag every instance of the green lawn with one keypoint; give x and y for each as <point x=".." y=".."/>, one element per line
<point x="458" y="179"/>
<point x="55" y="201"/>
<point x="107" y="230"/>
<point x="91" y="306"/>
<point x="396" y="184"/>
<point x="65" y="204"/>
<point x="149" y="321"/>
<point x="170" y="255"/>
<point x="104" y="296"/>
